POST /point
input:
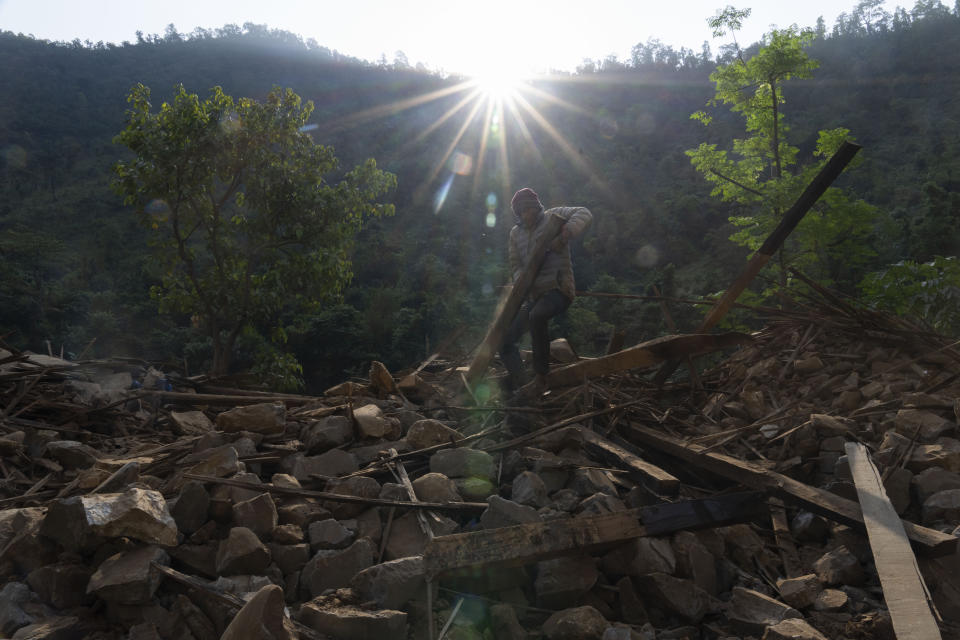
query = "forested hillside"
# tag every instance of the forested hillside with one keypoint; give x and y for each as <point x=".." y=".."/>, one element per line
<point x="76" y="267"/>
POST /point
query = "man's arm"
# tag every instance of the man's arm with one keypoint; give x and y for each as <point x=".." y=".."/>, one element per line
<point x="577" y="221"/>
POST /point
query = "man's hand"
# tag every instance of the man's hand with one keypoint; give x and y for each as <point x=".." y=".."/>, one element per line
<point x="566" y="233"/>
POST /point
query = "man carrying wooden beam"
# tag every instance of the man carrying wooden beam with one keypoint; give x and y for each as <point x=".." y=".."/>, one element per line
<point x="553" y="288"/>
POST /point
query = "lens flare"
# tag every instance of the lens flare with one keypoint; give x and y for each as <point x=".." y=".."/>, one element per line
<point x="647" y="256"/>
<point x="442" y="193"/>
<point x="461" y="164"/>
<point x="491" y="220"/>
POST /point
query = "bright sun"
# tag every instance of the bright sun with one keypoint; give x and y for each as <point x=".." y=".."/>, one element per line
<point x="499" y="80"/>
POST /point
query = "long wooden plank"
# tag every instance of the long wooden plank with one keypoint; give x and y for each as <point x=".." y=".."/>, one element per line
<point x="510" y="304"/>
<point x="820" y="501"/>
<point x="645" y="354"/>
<point x="652" y="476"/>
<point x="532" y="542"/>
<point x="830" y="172"/>
<point x="903" y="588"/>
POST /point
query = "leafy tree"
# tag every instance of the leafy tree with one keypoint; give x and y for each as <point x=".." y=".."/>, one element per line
<point x="246" y="225"/>
<point x="762" y="172"/>
<point x="927" y="291"/>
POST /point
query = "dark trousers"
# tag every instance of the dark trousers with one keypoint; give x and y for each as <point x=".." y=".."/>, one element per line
<point x="534" y="316"/>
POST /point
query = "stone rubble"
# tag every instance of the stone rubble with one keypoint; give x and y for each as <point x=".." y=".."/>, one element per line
<point x="92" y="556"/>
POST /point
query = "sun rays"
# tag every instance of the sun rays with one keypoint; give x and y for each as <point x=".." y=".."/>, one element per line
<point x="490" y="114"/>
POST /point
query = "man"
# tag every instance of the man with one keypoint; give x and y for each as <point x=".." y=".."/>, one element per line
<point x="553" y="288"/>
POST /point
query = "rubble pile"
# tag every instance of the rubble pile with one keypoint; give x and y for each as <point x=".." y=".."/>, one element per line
<point x="616" y="509"/>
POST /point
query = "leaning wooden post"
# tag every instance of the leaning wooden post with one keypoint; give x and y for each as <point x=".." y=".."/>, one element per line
<point x="511" y="302"/>
<point x="774" y="241"/>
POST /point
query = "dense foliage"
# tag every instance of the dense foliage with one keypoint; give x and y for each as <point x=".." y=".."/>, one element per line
<point x="77" y="269"/>
<point x="246" y="227"/>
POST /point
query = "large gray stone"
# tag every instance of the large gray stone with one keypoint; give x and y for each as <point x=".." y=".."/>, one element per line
<point x="261" y="618"/>
<point x="505" y="513"/>
<point x="694" y="560"/>
<point x="428" y="433"/>
<point x="504" y="623"/>
<point x="335" y="462"/>
<point x="561" y="582"/>
<point x="463" y="463"/>
<point x="329" y="534"/>
<point x="191" y="509"/>
<point x="391" y="584"/>
<point x="351" y="623"/>
<point x="371" y="423"/>
<point x="475" y="489"/>
<point x="639" y="557"/>
<point x="63" y="585"/>
<point x="945" y="452"/>
<point x="289" y="557"/>
<point x="792" y="629"/>
<point x="326" y="434"/>
<point x="752" y="612"/>
<point x="220" y="462"/>
<point x="839" y="567"/>
<point x="128" y="577"/>
<point x="72" y="454"/>
<point x="140" y="514"/>
<point x="56" y="628"/>
<point x="580" y="623"/>
<point x="241" y="552"/>
<point x="942" y="507"/>
<point x="436" y="487"/>
<point x="800" y="592"/>
<point x="258" y="514"/>
<point x="190" y="423"/>
<point x="265" y="418"/>
<point x="934" y="480"/>
<point x="675" y="595"/>
<point x="335" y="569"/>
<point x="587" y="482"/>
<point x="924" y="425"/>
<point x="529" y="489"/>
<point x="358" y="486"/>
<point x="12" y="616"/>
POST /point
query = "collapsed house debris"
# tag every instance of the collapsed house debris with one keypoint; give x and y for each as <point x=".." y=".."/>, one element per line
<point x="764" y="499"/>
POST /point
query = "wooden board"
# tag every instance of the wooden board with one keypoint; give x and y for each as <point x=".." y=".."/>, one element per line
<point x="903" y="588"/>
<point x="819" y="501"/>
<point x="643" y="355"/>
<point x="652" y="476"/>
<point x="511" y="302"/>
<point x="532" y="542"/>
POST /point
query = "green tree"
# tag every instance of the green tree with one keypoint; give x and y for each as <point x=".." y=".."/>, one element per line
<point x="246" y="226"/>
<point x="762" y="172"/>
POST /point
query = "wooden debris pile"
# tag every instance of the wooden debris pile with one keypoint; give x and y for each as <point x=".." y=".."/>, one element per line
<point x="742" y="504"/>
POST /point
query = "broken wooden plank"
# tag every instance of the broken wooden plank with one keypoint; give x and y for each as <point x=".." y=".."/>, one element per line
<point x="903" y="588"/>
<point x="830" y="172"/>
<point x="792" y="565"/>
<point x="645" y="354"/>
<point x="336" y="497"/>
<point x="652" y="476"/>
<point x="690" y="515"/>
<point x="751" y="475"/>
<point x="511" y="303"/>
<point x="526" y="543"/>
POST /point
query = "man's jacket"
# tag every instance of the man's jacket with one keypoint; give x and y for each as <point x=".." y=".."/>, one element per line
<point x="557" y="269"/>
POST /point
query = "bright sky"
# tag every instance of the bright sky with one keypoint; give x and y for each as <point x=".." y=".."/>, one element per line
<point x="451" y="35"/>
